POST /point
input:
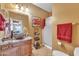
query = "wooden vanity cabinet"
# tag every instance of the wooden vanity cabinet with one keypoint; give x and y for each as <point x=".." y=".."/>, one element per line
<point x="18" y="49"/>
<point x="29" y="46"/>
<point x="11" y="52"/>
<point x="25" y="48"/>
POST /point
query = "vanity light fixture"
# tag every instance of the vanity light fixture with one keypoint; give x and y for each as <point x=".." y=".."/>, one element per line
<point x="22" y="8"/>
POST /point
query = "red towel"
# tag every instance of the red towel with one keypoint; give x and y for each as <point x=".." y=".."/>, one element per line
<point x="64" y="32"/>
<point x="42" y="23"/>
<point x="1" y="23"/>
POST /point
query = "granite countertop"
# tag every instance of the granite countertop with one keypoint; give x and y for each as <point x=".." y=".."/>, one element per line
<point x="15" y="41"/>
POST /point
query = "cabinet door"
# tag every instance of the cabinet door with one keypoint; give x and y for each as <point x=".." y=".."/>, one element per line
<point x="28" y="47"/>
<point x="22" y="50"/>
<point x="11" y="52"/>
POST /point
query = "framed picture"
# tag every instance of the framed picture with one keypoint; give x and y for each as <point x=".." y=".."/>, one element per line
<point x="36" y="21"/>
<point x="64" y="32"/>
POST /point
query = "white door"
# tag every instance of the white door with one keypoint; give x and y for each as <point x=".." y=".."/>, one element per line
<point x="47" y="32"/>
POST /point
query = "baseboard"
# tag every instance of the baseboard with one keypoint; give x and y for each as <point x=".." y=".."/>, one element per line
<point x="48" y="46"/>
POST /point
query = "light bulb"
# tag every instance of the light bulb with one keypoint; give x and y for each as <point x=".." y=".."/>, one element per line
<point x="22" y="8"/>
<point x="17" y="7"/>
<point x="27" y="10"/>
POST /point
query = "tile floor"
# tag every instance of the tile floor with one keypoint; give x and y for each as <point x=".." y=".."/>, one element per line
<point x="44" y="51"/>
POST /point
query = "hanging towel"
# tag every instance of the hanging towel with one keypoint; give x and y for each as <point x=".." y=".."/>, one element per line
<point x="42" y="23"/>
<point x="1" y="22"/>
<point x="64" y="32"/>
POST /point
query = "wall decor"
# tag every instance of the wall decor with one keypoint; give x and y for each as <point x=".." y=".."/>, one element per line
<point x="64" y="32"/>
<point x="36" y="21"/>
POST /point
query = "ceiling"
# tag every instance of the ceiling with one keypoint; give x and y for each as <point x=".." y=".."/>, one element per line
<point x="45" y="6"/>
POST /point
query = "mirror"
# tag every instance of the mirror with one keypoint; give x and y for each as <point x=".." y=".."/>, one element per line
<point x="16" y="26"/>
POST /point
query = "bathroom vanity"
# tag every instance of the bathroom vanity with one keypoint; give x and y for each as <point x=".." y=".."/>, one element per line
<point x="22" y="47"/>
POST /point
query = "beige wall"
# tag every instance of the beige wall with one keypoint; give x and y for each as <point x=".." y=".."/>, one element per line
<point x="66" y="13"/>
<point x="36" y="11"/>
